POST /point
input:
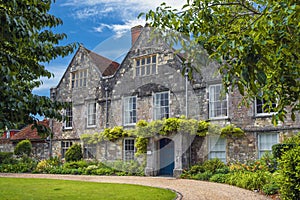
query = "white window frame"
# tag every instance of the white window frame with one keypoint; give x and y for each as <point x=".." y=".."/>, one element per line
<point x="91" y="116"/>
<point x="266" y="147"/>
<point x="69" y="117"/>
<point x="160" y="107"/>
<point x="263" y="113"/>
<point x="217" y="147"/>
<point x="130" y="110"/>
<point x="65" y="145"/>
<point x="128" y="149"/>
<point x="148" y="64"/>
<point x="79" y="78"/>
<point x="215" y="100"/>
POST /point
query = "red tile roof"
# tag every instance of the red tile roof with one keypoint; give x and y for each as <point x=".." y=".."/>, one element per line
<point x="29" y="133"/>
<point x="105" y="65"/>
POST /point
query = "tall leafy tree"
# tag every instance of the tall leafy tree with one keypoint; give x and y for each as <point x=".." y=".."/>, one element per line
<point x="27" y="41"/>
<point x="256" y="42"/>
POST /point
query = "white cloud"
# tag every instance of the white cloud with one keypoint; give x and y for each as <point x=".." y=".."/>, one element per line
<point x="120" y="29"/>
<point x="58" y="72"/>
<point x="123" y="10"/>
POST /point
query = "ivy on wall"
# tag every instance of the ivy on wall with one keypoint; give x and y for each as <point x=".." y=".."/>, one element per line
<point x="165" y="127"/>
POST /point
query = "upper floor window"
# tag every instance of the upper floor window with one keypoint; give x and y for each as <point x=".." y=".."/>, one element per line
<point x="68" y="117"/>
<point x="129" y="114"/>
<point x="79" y="78"/>
<point x="145" y="66"/>
<point x="161" y="107"/>
<point x="128" y="149"/>
<point x="261" y="108"/>
<point x="217" y="103"/>
<point x="91" y="118"/>
<point x="217" y="148"/>
<point x="265" y="142"/>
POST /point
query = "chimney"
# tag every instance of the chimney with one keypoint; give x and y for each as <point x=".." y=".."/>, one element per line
<point x="135" y="32"/>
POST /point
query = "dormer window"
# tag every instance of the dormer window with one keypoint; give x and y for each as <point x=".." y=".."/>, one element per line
<point x="145" y="66"/>
<point x="79" y="78"/>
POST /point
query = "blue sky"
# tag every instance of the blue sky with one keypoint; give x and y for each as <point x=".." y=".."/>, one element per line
<point x="102" y="26"/>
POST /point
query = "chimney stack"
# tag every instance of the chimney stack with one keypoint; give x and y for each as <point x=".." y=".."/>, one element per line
<point x="135" y="32"/>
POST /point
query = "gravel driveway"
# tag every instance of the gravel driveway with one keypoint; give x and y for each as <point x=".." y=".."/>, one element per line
<point x="186" y="189"/>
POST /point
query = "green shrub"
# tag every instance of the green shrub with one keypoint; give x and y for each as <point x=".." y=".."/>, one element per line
<point x="76" y="164"/>
<point x="223" y="170"/>
<point x="219" y="178"/>
<point x="270" y="188"/>
<point x="6" y="157"/>
<point x="104" y="171"/>
<point x="74" y="153"/>
<point x="205" y="176"/>
<point x="279" y="149"/>
<point x="23" y="165"/>
<point x="23" y="147"/>
<point x="213" y="164"/>
<point x="197" y="169"/>
<point x="289" y="174"/>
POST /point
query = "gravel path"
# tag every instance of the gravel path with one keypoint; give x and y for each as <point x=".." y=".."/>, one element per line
<point x="186" y="189"/>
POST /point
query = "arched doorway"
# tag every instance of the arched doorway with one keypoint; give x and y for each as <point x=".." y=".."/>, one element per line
<point x="166" y="154"/>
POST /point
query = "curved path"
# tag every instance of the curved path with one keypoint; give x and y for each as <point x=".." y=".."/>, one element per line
<point x="187" y="189"/>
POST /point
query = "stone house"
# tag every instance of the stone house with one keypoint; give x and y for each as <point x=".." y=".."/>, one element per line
<point x="148" y="84"/>
<point x="40" y="146"/>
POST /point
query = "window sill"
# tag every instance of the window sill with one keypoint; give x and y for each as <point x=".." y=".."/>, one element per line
<point x="91" y="126"/>
<point x="219" y="118"/>
<point x="129" y="125"/>
<point x="67" y="128"/>
<point x="264" y="115"/>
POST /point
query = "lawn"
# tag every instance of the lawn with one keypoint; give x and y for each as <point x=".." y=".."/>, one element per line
<point x="25" y="188"/>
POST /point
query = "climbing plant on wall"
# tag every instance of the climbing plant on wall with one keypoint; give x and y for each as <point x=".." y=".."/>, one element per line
<point x="165" y="127"/>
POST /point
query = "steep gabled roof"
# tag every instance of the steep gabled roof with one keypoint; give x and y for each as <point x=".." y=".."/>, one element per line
<point x="29" y="133"/>
<point x="106" y="66"/>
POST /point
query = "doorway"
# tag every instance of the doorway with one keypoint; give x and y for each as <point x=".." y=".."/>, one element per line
<point x="166" y="154"/>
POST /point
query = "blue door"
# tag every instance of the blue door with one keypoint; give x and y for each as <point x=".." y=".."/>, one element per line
<point x="166" y="151"/>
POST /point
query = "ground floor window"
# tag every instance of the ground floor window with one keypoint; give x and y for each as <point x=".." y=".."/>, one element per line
<point x="265" y="142"/>
<point x="217" y="148"/>
<point x="65" y="145"/>
<point x="128" y="149"/>
<point x="89" y="151"/>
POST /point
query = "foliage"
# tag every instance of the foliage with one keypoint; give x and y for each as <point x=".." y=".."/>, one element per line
<point x="170" y="125"/>
<point x="279" y="149"/>
<point x="114" y="133"/>
<point x="203" y="171"/>
<point x="213" y="164"/>
<point x="5" y="157"/>
<point x="270" y="188"/>
<point x="231" y="130"/>
<point x="289" y="171"/>
<point x="27" y="41"/>
<point x="141" y="145"/>
<point x="20" y="165"/>
<point x="202" y="128"/>
<point x="164" y="127"/>
<point x="248" y="180"/>
<point x="76" y="164"/>
<point x="23" y="147"/>
<point x="219" y="178"/>
<point x="256" y="43"/>
<point x="74" y="153"/>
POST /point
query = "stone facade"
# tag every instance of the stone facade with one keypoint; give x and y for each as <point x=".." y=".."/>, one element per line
<point x="109" y="84"/>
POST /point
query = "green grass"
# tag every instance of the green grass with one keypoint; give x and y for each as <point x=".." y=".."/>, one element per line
<point x="25" y="188"/>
